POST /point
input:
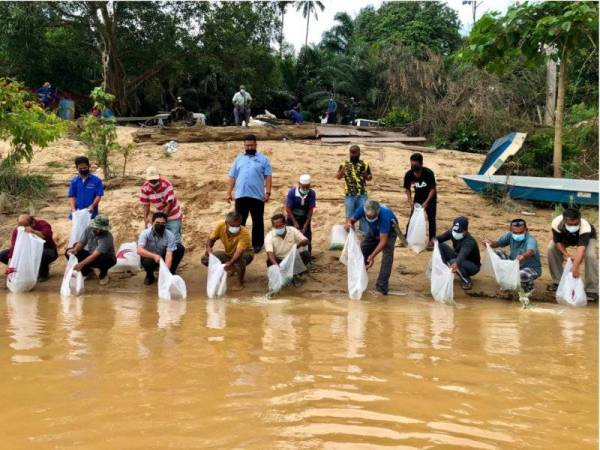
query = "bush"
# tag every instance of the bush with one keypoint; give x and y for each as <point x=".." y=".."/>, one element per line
<point x="18" y="190"/>
<point x="397" y="118"/>
<point x="465" y="137"/>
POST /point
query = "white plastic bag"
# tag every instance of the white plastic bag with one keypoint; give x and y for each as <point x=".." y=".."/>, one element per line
<point x="80" y="220"/>
<point x="128" y="259"/>
<point x="216" y="284"/>
<point x="571" y="291"/>
<point x="72" y="283"/>
<point x="354" y="260"/>
<point x="504" y="271"/>
<point x="282" y="275"/>
<point x="170" y="287"/>
<point x="442" y="278"/>
<point x="170" y="147"/>
<point x="338" y="237"/>
<point x="25" y="262"/>
<point x="416" y="236"/>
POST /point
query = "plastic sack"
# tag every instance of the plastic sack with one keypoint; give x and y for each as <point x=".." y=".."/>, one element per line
<point x="354" y="260"/>
<point x="442" y="278"/>
<point x="72" y="283"/>
<point x="338" y="237"/>
<point x="25" y="262"/>
<point x="216" y="284"/>
<point x="128" y="259"/>
<point x="571" y="291"/>
<point x="504" y="271"/>
<point x="170" y="287"/>
<point x="170" y="147"/>
<point x="416" y="236"/>
<point x="80" y="220"/>
<point x="282" y="275"/>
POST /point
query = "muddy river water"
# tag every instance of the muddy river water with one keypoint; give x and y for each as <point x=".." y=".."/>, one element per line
<point x="131" y="372"/>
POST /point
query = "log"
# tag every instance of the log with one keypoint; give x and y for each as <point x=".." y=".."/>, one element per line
<point x="222" y="134"/>
<point x="364" y="140"/>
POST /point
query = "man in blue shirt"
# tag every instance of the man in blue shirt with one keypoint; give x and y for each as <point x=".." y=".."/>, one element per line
<point x="331" y="111"/>
<point x="85" y="190"/>
<point x="381" y="237"/>
<point x="299" y="206"/>
<point x="523" y="248"/>
<point x="251" y="176"/>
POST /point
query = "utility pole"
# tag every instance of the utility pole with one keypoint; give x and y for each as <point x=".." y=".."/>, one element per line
<point x="474" y="5"/>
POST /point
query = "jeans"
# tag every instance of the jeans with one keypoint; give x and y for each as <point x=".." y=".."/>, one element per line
<point x="466" y="268"/>
<point x="590" y="260"/>
<point x="102" y="262"/>
<point x="301" y="221"/>
<point x="387" y="258"/>
<point x="49" y="255"/>
<point x="256" y="208"/>
<point x="351" y="204"/>
<point x="430" y="211"/>
<point x="241" y="113"/>
<point x="174" y="226"/>
<point x="150" y="265"/>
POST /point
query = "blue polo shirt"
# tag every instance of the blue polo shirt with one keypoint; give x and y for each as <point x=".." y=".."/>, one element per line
<point x="249" y="172"/>
<point x="383" y="224"/>
<point x="518" y="248"/>
<point x="298" y="204"/>
<point x="85" y="191"/>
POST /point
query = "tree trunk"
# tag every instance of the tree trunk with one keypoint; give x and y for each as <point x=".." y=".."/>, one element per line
<point x="558" y="118"/>
<point x="281" y="34"/>
<point x="307" y="21"/>
<point x="550" y="92"/>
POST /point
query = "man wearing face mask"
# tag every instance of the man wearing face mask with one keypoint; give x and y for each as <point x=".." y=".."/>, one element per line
<point x="251" y="177"/>
<point x="96" y="249"/>
<point x="571" y="230"/>
<point x="235" y="239"/>
<point x="158" y="243"/>
<point x="463" y="257"/>
<point x="158" y="192"/>
<point x="300" y="204"/>
<point x="381" y="237"/>
<point x="355" y="173"/>
<point x="281" y="239"/>
<point x="86" y="189"/>
<point x="422" y="180"/>
<point x="523" y="248"/>
<point x="241" y="106"/>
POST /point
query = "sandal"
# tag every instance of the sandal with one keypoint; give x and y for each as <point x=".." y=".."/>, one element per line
<point x="467" y="286"/>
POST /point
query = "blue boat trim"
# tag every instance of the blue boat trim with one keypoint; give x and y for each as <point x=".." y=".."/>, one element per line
<point x="501" y="150"/>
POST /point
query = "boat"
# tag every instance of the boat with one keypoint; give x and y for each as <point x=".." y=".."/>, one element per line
<point x="536" y="189"/>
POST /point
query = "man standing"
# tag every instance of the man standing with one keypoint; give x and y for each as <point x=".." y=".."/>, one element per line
<point x="381" y="237"/>
<point x="158" y="192"/>
<point x="299" y="206"/>
<point x="251" y="176"/>
<point x="463" y="256"/>
<point x="571" y="230"/>
<point x="281" y="239"/>
<point x="523" y="248"/>
<point x="46" y="94"/>
<point x="236" y="243"/>
<point x="96" y="249"/>
<point x="86" y="189"/>
<point x="41" y="229"/>
<point x="157" y="243"/>
<point x="331" y="111"/>
<point x="422" y="180"/>
<point x="355" y="173"/>
<point x="241" y="106"/>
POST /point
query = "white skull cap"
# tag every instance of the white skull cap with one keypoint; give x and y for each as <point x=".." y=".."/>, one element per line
<point x="305" y="179"/>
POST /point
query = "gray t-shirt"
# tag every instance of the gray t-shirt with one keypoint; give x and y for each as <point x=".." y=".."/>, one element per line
<point x="104" y="242"/>
<point x="157" y="244"/>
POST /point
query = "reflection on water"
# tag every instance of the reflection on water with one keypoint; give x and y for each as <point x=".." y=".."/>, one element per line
<point x="126" y="371"/>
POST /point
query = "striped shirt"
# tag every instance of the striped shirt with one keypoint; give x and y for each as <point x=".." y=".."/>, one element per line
<point x="160" y="197"/>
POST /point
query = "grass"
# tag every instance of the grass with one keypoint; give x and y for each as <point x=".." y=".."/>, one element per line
<point x="20" y="191"/>
<point x="57" y="165"/>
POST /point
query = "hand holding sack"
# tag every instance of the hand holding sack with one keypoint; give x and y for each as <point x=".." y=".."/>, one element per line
<point x="354" y="260"/>
<point x="25" y="262"/>
<point x="571" y="291"/>
<point x="282" y="275"/>
<point x="442" y="278"/>
<point x="416" y="236"/>
<point x="72" y="283"/>
<point x="216" y="284"/>
<point x="170" y="287"/>
<point x="504" y="271"/>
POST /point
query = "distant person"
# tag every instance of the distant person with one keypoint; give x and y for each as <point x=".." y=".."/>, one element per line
<point x="156" y="243"/>
<point x="381" y="238"/>
<point x="237" y="253"/>
<point x="157" y="194"/>
<point x="241" y="106"/>
<point x="251" y="177"/>
<point x="86" y="189"/>
<point x="571" y="230"/>
<point x="96" y="249"/>
<point x="355" y="173"/>
<point x="41" y="229"/>
<point x="352" y="111"/>
<point x="282" y="239"/>
<point x="46" y="95"/>
<point x="295" y="116"/>
<point x="299" y="207"/>
<point x="422" y="180"/>
<point x="331" y="111"/>
<point x="523" y="248"/>
<point x="463" y="257"/>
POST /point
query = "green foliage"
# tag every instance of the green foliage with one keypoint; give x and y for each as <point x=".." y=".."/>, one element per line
<point x="397" y="117"/>
<point x="466" y="136"/>
<point x="581" y="112"/>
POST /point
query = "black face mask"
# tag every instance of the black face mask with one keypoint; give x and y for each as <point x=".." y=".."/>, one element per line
<point x="98" y="232"/>
<point x="354" y="159"/>
<point x="84" y="172"/>
<point x="415" y="167"/>
<point x="251" y="152"/>
<point x="159" y="228"/>
<point x="155" y="184"/>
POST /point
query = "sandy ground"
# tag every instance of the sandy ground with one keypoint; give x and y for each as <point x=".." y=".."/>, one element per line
<point x="199" y="173"/>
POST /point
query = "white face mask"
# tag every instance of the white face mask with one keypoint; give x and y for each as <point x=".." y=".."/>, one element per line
<point x="572" y="228"/>
<point x="279" y="231"/>
<point x="371" y="220"/>
<point x="457" y="236"/>
<point x="234" y="230"/>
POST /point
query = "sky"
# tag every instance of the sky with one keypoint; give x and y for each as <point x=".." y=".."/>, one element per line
<point x="295" y="24"/>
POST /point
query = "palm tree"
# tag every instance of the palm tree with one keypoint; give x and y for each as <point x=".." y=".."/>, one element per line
<point x="282" y="5"/>
<point x="309" y="8"/>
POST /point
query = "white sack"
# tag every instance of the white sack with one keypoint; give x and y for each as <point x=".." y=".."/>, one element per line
<point x="216" y="284"/>
<point x="72" y="283"/>
<point x="571" y="291"/>
<point x="416" y="236"/>
<point x="504" y="271"/>
<point x="442" y="278"/>
<point x="338" y="237"/>
<point x="25" y="262"/>
<point x="80" y="220"/>
<point x="282" y="275"/>
<point x="353" y="258"/>
<point x="170" y="287"/>
<point x="128" y="259"/>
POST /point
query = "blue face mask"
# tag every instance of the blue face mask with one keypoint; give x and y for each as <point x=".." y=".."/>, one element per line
<point x="279" y="231"/>
<point x="457" y="236"/>
<point x="518" y="237"/>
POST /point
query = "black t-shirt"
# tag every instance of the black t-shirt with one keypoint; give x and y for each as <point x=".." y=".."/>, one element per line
<point x="422" y="184"/>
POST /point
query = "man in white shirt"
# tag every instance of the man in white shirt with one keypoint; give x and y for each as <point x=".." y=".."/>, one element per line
<point x="241" y="106"/>
<point x="281" y="239"/>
